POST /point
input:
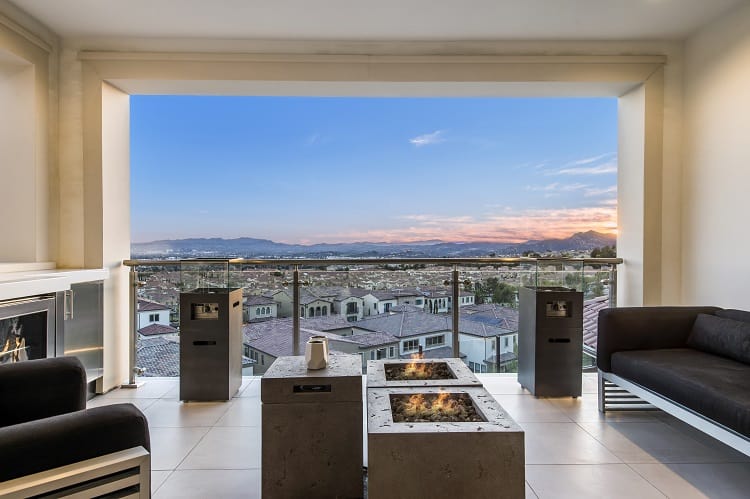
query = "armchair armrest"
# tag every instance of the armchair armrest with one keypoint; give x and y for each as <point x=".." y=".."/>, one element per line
<point x="643" y="328"/>
<point x="49" y="443"/>
<point x="36" y="389"/>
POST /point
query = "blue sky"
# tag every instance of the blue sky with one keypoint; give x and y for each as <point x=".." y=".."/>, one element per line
<point x="307" y="170"/>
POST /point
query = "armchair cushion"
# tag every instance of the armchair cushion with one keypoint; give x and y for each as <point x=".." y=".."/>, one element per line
<point x="713" y="386"/>
<point x="720" y="336"/>
<point x="48" y="443"/>
<point x="37" y="389"/>
<point x="643" y="328"/>
<point x="734" y="314"/>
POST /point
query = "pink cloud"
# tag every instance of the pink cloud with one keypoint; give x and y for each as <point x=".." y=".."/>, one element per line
<point x="509" y="226"/>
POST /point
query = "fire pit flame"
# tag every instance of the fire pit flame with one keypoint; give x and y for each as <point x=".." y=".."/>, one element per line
<point x="444" y="406"/>
<point x="417" y="370"/>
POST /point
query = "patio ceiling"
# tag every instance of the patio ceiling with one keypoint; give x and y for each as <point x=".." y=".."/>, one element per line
<point x="407" y="20"/>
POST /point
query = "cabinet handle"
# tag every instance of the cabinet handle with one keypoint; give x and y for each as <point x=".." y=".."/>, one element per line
<point x="69" y="304"/>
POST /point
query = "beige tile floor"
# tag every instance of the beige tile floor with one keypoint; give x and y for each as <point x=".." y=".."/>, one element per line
<point x="213" y="449"/>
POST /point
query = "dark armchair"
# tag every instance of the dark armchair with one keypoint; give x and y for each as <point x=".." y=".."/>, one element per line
<point x="44" y="423"/>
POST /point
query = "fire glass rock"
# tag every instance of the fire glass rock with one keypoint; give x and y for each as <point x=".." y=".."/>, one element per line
<point x="421" y="370"/>
<point x="436" y="408"/>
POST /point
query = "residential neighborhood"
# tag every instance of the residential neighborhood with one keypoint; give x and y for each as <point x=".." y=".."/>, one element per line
<point x="373" y="323"/>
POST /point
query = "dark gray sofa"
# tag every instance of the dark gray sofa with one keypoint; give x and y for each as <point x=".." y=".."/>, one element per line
<point x="693" y="362"/>
<point x="44" y="423"/>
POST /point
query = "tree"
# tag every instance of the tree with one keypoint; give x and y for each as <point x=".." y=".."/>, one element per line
<point x="500" y="292"/>
<point x="504" y="293"/>
<point x="604" y="252"/>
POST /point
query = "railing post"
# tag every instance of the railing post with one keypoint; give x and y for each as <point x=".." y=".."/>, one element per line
<point x="295" y="311"/>
<point x="133" y="283"/>
<point x="456" y="312"/>
<point x="612" y="285"/>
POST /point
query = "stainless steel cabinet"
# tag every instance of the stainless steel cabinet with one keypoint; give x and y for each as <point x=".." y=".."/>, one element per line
<point x="82" y="317"/>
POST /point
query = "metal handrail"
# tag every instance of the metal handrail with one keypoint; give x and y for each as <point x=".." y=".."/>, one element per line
<point x="316" y="262"/>
<point x="296" y="263"/>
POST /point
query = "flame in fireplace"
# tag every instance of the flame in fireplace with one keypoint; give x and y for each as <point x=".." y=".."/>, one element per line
<point x="418" y="370"/>
<point x="13" y="345"/>
<point x="442" y="405"/>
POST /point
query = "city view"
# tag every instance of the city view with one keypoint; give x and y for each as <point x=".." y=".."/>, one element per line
<point x="365" y="178"/>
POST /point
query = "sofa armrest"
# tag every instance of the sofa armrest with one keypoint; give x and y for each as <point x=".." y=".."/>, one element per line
<point x="36" y="389"/>
<point x="643" y="328"/>
<point x="49" y="443"/>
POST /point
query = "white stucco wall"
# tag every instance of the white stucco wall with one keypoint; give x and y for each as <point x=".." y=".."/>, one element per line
<point x="144" y="318"/>
<point x="715" y="235"/>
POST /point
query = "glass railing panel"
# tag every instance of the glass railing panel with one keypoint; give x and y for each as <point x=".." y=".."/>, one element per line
<point x="157" y="341"/>
<point x="488" y="321"/>
<point x="353" y="302"/>
<point x="204" y="274"/>
<point x="379" y="311"/>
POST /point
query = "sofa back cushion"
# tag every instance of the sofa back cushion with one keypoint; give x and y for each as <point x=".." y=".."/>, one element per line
<point x="737" y="315"/>
<point x="721" y="336"/>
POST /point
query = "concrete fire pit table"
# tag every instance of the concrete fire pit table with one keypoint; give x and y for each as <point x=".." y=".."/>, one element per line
<point x="443" y="459"/>
<point x="459" y="373"/>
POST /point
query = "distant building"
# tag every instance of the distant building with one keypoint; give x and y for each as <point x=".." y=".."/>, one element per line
<point x="259" y="307"/>
<point x="153" y="318"/>
<point x="158" y="355"/>
<point x="415" y="328"/>
<point x="265" y="341"/>
<point x="377" y="302"/>
<point x="409" y="296"/>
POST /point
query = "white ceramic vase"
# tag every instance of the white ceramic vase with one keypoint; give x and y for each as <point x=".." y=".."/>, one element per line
<point x="316" y="352"/>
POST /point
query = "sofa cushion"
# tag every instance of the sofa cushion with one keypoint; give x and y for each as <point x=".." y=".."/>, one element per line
<point x="721" y="336"/>
<point x="48" y="443"/>
<point x="737" y="315"/>
<point x="713" y="386"/>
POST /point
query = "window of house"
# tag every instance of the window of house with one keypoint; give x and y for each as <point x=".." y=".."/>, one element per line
<point x="506" y="342"/>
<point x="472" y="367"/>
<point x="351" y="308"/>
<point x="153" y="317"/>
<point x="392" y="352"/>
<point x="387" y="307"/>
<point x="372" y="354"/>
<point x="302" y="311"/>
<point x="417" y="302"/>
<point x="257" y="311"/>
<point x="380" y="354"/>
<point x="434" y="341"/>
<point x="263" y="359"/>
<point x="325" y="310"/>
<point x="411" y="345"/>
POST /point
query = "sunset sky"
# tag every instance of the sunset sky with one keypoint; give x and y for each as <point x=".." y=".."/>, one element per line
<point x="308" y="170"/>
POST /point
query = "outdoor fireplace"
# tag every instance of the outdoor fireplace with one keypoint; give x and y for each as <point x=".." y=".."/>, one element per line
<point x="27" y="329"/>
<point x="419" y="372"/>
<point x="457" y="440"/>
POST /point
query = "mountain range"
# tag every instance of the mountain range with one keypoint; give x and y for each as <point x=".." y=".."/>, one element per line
<point x="249" y="247"/>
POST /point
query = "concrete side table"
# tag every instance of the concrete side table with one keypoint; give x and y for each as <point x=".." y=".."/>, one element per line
<point x="312" y="429"/>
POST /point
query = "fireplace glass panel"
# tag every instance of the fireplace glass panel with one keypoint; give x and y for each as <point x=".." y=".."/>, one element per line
<point x="25" y="330"/>
<point x="23" y="337"/>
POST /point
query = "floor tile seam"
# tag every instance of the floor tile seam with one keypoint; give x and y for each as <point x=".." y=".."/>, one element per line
<point x="646" y="479"/>
<point x="611" y="451"/>
<point x="657" y="460"/>
<point x="256" y="468"/>
<point x="687" y="434"/>
<point x="577" y="463"/>
<point x="217" y="425"/>
<point x="193" y="447"/>
<point x="532" y="489"/>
